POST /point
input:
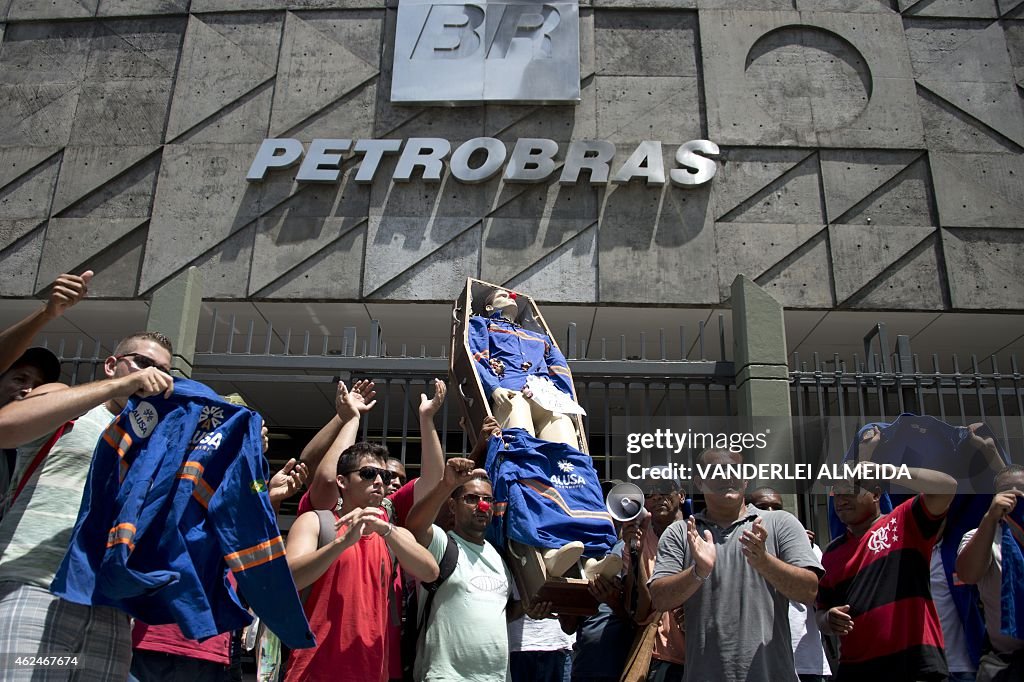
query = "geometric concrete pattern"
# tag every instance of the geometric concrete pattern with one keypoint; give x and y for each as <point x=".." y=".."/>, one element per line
<point x="871" y="155"/>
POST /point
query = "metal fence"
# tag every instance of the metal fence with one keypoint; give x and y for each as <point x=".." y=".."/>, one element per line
<point x="882" y="383"/>
<point x="610" y="382"/>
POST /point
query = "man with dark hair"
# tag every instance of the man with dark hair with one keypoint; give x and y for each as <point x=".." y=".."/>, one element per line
<point x="351" y="575"/>
<point x="466" y="635"/>
<point x="990" y="557"/>
<point x="36" y="530"/>
<point x="735" y="568"/>
<point x="876" y="592"/>
<point x="22" y="368"/>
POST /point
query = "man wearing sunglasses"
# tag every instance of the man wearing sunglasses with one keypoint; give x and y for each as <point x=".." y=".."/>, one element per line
<point x="35" y="532"/>
<point x="347" y="607"/>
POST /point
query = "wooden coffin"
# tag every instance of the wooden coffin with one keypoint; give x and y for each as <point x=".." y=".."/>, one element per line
<point x="568" y="595"/>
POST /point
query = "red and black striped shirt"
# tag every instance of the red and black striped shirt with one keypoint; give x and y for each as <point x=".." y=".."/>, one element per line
<point x="884" y="576"/>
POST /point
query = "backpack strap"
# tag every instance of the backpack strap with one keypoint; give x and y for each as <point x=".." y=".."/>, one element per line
<point x="326" y="534"/>
<point x="446" y="567"/>
<point x="38" y="459"/>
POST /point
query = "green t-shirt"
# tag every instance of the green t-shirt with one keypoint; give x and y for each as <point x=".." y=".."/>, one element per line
<point x="467" y="637"/>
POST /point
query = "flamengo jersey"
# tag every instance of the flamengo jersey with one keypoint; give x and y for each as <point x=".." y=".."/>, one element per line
<point x="884" y="576"/>
<point x="176" y="496"/>
<point x="546" y="494"/>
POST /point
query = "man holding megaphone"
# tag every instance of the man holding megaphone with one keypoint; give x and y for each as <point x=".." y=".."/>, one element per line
<point x="645" y="512"/>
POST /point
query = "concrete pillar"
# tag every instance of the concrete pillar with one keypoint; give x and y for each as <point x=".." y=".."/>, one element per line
<point x="174" y="311"/>
<point x="762" y="373"/>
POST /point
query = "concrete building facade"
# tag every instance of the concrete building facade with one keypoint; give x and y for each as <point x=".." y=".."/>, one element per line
<point x="870" y="155"/>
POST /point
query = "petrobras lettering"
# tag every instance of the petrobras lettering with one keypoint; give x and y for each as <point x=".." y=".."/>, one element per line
<point x="530" y="160"/>
<point x="486" y="51"/>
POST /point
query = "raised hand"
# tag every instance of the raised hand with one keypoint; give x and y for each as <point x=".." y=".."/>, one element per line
<point x="459" y="471"/>
<point x="869" y="440"/>
<point x="66" y="291"/>
<point x="430" y="406"/>
<point x="1003" y="503"/>
<point x="288" y="481"/>
<point x="355" y="403"/>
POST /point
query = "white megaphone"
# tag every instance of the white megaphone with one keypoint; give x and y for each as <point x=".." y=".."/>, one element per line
<point x="625" y="502"/>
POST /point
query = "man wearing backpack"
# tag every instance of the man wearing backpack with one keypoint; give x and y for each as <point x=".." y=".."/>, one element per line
<point x="463" y="614"/>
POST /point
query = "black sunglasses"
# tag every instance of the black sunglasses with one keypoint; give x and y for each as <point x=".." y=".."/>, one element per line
<point x="142" y="361"/>
<point x="369" y="473"/>
<point x="472" y="499"/>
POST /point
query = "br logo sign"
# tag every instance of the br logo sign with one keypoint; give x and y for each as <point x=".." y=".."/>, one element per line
<point x="508" y="51"/>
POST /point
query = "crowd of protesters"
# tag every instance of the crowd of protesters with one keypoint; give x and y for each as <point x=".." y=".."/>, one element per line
<point x="398" y="581"/>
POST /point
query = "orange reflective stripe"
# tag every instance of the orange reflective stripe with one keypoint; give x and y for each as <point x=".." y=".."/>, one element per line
<point x="117" y="438"/>
<point x="256" y="555"/>
<point x="556" y="497"/>
<point x="558" y="370"/>
<point x="522" y="335"/>
<point x="203" y="493"/>
<point x="122" y="534"/>
<point x="481" y="355"/>
<point x="193" y="471"/>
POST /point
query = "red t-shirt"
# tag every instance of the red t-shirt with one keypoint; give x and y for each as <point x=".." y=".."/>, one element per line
<point x="348" y="613"/>
<point x="402" y="500"/>
<point x="884" y="576"/>
<point x="168" y="639"/>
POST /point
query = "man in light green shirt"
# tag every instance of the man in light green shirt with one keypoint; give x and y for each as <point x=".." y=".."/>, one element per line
<point x="466" y="636"/>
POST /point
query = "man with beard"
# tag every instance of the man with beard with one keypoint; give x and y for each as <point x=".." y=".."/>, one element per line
<point x="465" y="630"/>
<point x="735" y="568"/>
<point x="347" y="607"/>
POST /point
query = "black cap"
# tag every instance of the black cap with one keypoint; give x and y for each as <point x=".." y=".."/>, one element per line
<point x="44" y="360"/>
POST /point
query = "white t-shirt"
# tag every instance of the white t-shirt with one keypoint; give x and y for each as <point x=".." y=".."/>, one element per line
<point x="466" y="638"/>
<point x="808" y="653"/>
<point x="527" y="634"/>
<point x="991" y="588"/>
<point x="952" y="628"/>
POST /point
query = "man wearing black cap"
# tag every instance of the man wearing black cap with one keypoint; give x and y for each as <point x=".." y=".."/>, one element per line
<point x="22" y="368"/>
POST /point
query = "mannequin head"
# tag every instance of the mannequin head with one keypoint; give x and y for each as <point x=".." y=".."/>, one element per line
<point x="501" y="299"/>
